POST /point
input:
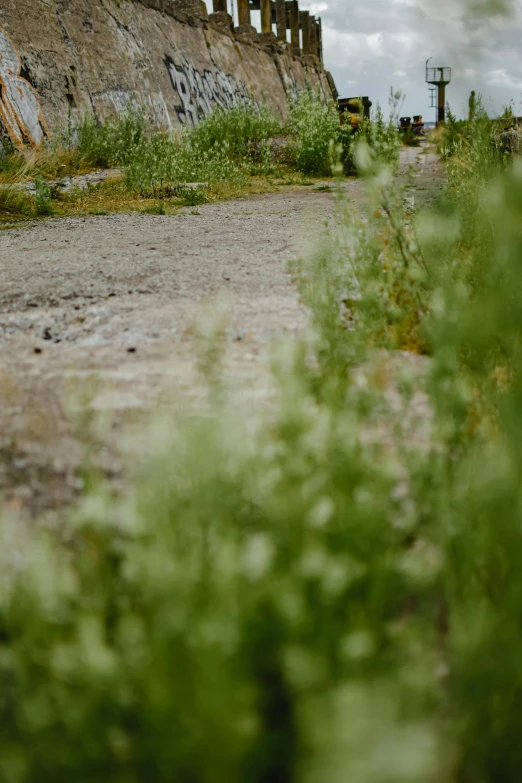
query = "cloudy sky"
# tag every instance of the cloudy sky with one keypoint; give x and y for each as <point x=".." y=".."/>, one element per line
<point x="371" y="45"/>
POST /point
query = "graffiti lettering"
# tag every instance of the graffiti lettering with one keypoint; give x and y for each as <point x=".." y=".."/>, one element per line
<point x="21" y="115"/>
<point x="200" y="93"/>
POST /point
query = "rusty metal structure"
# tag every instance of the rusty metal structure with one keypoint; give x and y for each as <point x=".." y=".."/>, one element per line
<point x="354" y="110"/>
<point x="416" y="127"/>
<point x="306" y="34"/>
<point x="439" y="78"/>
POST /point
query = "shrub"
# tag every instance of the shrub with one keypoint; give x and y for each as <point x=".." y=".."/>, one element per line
<point x="219" y="148"/>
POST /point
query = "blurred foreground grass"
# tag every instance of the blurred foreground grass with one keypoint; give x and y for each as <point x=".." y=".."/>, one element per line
<point x="314" y="594"/>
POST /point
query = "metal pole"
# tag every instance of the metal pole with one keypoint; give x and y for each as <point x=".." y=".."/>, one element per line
<point x="441" y="111"/>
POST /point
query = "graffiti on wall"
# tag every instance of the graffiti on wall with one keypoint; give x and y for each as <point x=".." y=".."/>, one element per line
<point x="200" y="93"/>
<point x="21" y="115"/>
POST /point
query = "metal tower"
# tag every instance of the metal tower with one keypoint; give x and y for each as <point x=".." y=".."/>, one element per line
<point x="439" y="78"/>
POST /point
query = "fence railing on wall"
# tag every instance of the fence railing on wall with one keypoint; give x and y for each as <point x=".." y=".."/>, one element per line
<point x="283" y="15"/>
<point x="277" y="18"/>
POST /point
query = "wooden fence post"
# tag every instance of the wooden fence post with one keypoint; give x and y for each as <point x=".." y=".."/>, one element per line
<point x="304" y="17"/>
<point x="281" y="19"/>
<point x="320" y="40"/>
<point x="266" y="16"/>
<point x="243" y="11"/>
<point x="313" y="36"/>
<point x="293" y="12"/>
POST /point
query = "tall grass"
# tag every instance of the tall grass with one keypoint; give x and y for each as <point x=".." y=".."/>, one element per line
<point x="111" y="143"/>
<point x="240" y="130"/>
<point x="161" y="165"/>
<point x="14" y="201"/>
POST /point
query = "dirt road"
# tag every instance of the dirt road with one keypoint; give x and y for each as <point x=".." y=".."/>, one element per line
<point x="102" y="310"/>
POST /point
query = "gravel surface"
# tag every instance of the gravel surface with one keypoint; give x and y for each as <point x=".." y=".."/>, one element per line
<point x="105" y="310"/>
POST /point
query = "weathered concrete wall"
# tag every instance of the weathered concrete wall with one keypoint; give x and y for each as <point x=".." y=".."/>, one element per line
<point x="62" y="58"/>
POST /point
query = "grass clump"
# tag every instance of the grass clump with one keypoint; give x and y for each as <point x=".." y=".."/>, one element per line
<point x="322" y="145"/>
<point x="14" y="201"/>
<point x="226" y="146"/>
<point x="155" y="209"/>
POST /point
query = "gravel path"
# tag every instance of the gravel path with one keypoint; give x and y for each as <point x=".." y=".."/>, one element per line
<point x="104" y="310"/>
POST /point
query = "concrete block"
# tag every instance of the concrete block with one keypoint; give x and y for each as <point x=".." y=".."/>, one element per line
<point x="246" y="33"/>
<point x="223" y="22"/>
<point x="171" y="9"/>
<point x="243" y="12"/>
<point x="268" y="39"/>
<point x="311" y="59"/>
<point x="188" y="7"/>
<point x="266" y="16"/>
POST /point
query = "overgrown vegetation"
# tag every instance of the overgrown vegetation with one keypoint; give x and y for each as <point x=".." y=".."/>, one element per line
<point x="227" y="147"/>
<point x="328" y="592"/>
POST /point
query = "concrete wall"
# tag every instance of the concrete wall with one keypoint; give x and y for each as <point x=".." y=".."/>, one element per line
<point x="62" y="58"/>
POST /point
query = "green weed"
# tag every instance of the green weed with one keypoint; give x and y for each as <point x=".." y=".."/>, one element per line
<point x="42" y="198"/>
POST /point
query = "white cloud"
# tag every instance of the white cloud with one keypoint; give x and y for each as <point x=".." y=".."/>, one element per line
<point x="500" y="77"/>
<point x="318" y="8"/>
